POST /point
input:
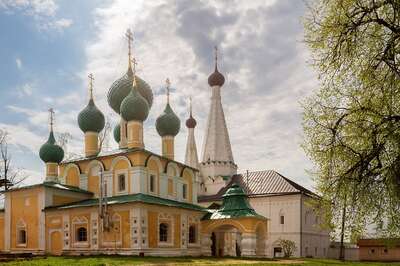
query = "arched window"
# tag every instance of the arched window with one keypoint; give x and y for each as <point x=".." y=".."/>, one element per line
<point x="22" y="236"/>
<point x="192" y="234"/>
<point x="163" y="234"/>
<point x="81" y="234"/>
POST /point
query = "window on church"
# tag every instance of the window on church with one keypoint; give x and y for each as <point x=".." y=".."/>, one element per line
<point x="170" y="187"/>
<point x="22" y="236"/>
<point x="184" y="191"/>
<point x="192" y="234"/>
<point x="282" y="219"/>
<point x="163" y="234"/>
<point x="152" y="183"/>
<point x="81" y="234"/>
<point x="121" y="182"/>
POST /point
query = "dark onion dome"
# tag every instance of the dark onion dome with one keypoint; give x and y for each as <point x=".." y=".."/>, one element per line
<point x="121" y="88"/>
<point x="168" y="123"/>
<point x="50" y="152"/>
<point x="134" y="107"/>
<point x="91" y="119"/>
<point x="216" y="78"/>
<point x="117" y="133"/>
<point x="191" y="122"/>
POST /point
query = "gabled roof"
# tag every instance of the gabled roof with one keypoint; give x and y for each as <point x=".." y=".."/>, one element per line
<point x="138" y="197"/>
<point x="55" y="185"/>
<point x="261" y="183"/>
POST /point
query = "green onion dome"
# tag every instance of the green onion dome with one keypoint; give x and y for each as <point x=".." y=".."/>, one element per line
<point x="50" y="152"/>
<point x="91" y="118"/>
<point x="121" y="88"/>
<point x="168" y="123"/>
<point x="117" y="133"/>
<point x="134" y="107"/>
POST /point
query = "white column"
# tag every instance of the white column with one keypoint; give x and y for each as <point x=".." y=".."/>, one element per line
<point x="206" y="245"/>
<point x="94" y="236"/>
<point x="7" y="221"/>
<point x="248" y="244"/>
<point x="83" y="181"/>
<point x="138" y="175"/>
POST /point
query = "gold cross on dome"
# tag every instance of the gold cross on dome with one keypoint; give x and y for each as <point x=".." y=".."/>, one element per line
<point x="51" y="118"/>
<point x="168" y="85"/>
<point x="91" y="78"/>
<point x="129" y="37"/>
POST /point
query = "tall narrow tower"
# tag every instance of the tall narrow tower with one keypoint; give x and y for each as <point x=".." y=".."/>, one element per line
<point x="217" y="164"/>
<point x="191" y="158"/>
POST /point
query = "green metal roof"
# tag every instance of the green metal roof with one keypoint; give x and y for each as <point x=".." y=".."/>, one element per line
<point x="235" y="205"/>
<point x="55" y="185"/>
<point x="122" y="87"/>
<point x="50" y="151"/>
<point x="168" y="123"/>
<point x="117" y="133"/>
<point x="139" y="197"/>
<point x="134" y="106"/>
<point x="91" y="118"/>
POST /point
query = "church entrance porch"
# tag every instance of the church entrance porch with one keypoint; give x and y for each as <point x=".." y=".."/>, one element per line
<point x="235" y="229"/>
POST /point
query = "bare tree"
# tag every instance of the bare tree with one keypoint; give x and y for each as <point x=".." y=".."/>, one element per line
<point x="104" y="136"/>
<point x="9" y="176"/>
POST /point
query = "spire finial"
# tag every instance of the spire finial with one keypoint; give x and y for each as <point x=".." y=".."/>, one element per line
<point x="129" y="37"/>
<point x="216" y="57"/>
<point x="134" y="61"/>
<point x="190" y="106"/>
<point x="167" y="81"/>
<point x="51" y="119"/>
<point x="91" y="78"/>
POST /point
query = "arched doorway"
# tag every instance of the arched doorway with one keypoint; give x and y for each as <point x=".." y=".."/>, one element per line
<point x="55" y="243"/>
<point x="226" y="241"/>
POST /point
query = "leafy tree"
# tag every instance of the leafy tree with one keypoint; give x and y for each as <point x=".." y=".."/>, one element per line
<point x="288" y="247"/>
<point x="352" y="123"/>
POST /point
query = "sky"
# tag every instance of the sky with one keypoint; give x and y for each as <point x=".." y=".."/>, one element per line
<point x="49" y="47"/>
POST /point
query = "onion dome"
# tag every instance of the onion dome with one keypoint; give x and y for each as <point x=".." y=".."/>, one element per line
<point x="117" y="133"/>
<point x="191" y="122"/>
<point x="134" y="106"/>
<point x="216" y="78"/>
<point x="91" y="118"/>
<point x="121" y="88"/>
<point x="50" y="152"/>
<point x="168" y="123"/>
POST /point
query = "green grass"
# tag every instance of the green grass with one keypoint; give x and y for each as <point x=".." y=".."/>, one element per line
<point x="128" y="260"/>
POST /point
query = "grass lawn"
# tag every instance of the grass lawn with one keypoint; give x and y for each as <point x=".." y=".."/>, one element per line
<point x="125" y="260"/>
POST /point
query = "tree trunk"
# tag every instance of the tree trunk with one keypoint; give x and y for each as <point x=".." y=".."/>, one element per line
<point x="341" y="254"/>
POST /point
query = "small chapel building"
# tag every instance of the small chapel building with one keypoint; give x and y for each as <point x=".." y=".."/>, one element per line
<point x="132" y="201"/>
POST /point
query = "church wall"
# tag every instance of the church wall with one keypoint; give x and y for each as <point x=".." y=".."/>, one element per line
<point x="315" y="240"/>
<point x="273" y="208"/>
<point x="25" y="213"/>
<point x="72" y="177"/>
<point x="122" y="240"/>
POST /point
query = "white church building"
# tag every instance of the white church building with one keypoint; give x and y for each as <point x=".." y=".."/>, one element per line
<point x="279" y="199"/>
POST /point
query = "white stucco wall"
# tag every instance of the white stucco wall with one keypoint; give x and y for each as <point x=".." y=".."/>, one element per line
<point x="309" y="238"/>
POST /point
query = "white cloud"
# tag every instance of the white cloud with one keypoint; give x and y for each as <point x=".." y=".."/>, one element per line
<point x="18" y="62"/>
<point x="262" y="57"/>
<point x="25" y="90"/>
<point x="42" y="11"/>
